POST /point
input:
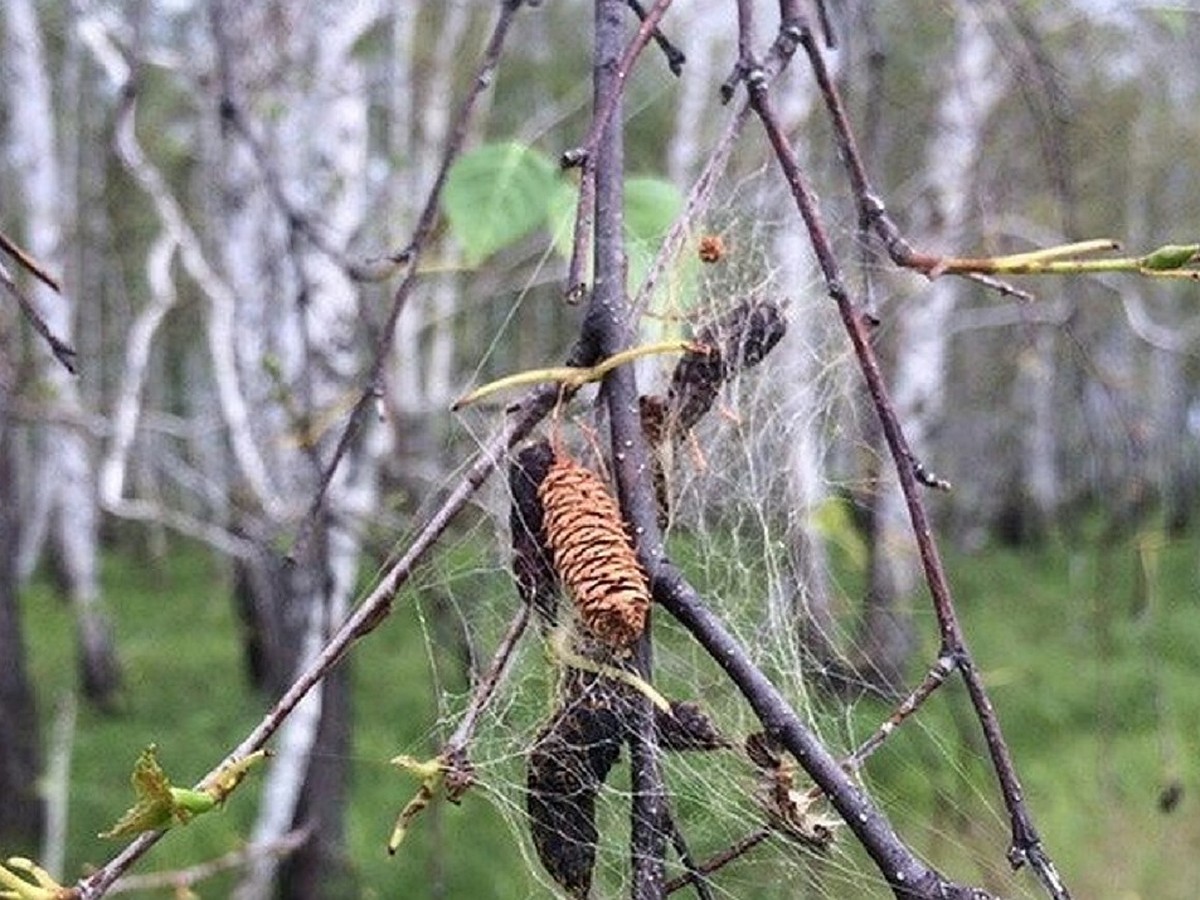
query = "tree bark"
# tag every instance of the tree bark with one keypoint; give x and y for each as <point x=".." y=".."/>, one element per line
<point x="296" y="329"/>
<point x="21" y="811"/>
<point x="62" y="477"/>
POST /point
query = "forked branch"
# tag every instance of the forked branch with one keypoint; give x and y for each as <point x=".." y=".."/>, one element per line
<point x="1026" y="844"/>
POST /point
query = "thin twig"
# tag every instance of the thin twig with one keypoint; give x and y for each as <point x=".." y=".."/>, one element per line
<point x="700" y="196"/>
<point x="697" y="873"/>
<point x="234" y="117"/>
<point x="675" y="56"/>
<point x="485" y="688"/>
<point x="1026" y="845"/>
<point x="28" y="263"/>
<point x="451" y="770"/>
<point x="696" y="876"/>
<point x="178" y="879"/>
<point x="62" y="351"/>
<point x="585" y="153"/>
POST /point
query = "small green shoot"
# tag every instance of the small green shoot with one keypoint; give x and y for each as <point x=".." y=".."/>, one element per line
<point x="34" y="884"/>
<point x="1168" y="261"/>
<point x="432" y="773"/>
<point x="160" y="806"/>
<point x="449" y="771"/>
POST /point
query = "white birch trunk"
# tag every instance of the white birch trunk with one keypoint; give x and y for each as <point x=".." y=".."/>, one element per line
<point x="63" y="478"/>
<point x="298" y="315"/>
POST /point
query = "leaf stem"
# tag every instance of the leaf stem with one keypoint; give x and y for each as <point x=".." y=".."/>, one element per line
<point x="573" y="376"/>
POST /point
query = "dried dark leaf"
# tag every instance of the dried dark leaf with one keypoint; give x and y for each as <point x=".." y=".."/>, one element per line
<point x="688" y="728"/>
<point x="763" y="751"/>
<point x="738" y="340"/>
<point x="653" y="410"/>
<point x="533" y="568"/>
<point x="567" y="764"/>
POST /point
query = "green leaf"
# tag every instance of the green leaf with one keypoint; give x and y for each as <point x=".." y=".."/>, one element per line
<point x="155" y="807"/>
<point x="651" y="205"/>
<point x="497" y="194"/>
<point x="831" y="519"/>
<point x="561" y="216"/>
<point x="1172" y="256"/>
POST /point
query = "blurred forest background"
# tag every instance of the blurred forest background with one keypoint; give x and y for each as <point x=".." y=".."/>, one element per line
<point x="212" y="180"/>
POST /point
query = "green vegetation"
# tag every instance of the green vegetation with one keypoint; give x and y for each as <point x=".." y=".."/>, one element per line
<point x="1093" y="657"/>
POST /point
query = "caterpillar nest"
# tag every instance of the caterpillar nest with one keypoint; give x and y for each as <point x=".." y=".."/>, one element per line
<point x="592" y="553"/>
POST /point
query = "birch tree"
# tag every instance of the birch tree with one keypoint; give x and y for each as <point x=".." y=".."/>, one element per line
<point x="296" y="355"/>
<point x="59" y="500"/>
<point x="20" y="751"/>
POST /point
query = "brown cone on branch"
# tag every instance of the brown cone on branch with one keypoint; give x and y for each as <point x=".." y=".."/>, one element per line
<point x="592" y="553"/>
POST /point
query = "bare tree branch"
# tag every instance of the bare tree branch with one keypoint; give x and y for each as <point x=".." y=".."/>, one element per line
<point x="27" y="262"/>
<point x="62" y="351"/>
<point x="1026" y="844"/>
<point x="179" y="880"/>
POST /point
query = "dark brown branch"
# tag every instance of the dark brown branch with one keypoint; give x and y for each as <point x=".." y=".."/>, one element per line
<point x="717" y="861"/>
<point x="28" y="263"/>
<point x="609" y="325"/>
<point x="908" y="876"/>
<point x="1026" y="845"/>
<point x="62" y="351"/>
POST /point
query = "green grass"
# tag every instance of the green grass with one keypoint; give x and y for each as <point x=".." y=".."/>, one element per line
<point x="1093" y="659"/>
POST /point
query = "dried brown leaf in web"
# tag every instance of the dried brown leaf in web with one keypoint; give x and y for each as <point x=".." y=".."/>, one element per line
<point x="533" y="567"/>
<point x="653" y="412"/>
<point x="688" y="727"/>
<point x="592" y="553"/>
<point x="791" y="812"/>
<point x="567" y="765"/>
<point x="738" y="340"/>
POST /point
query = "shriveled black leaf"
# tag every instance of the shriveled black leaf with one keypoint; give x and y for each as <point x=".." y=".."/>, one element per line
<point x="653" y="411"/>
<point x="533" y="569"/>
<point x="688" y="728"/>
<point x="764" y="752"/>
<point x="738" y="340"/>
<point x="567" y="764"/>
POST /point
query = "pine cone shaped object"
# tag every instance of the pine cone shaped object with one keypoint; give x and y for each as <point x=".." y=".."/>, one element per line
<point x="592" y="553"/>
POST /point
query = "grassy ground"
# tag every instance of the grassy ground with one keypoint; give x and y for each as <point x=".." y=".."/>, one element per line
<point x="1093" y="658"/>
